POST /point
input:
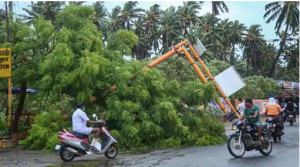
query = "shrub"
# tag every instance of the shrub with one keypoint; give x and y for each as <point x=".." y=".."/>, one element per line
<point x="43" y="134"/>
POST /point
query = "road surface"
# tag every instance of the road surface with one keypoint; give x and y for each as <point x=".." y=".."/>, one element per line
<point x="285" y="153"/>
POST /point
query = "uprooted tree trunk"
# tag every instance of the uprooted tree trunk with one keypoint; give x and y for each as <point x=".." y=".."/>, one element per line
<point x="20" y="107"/>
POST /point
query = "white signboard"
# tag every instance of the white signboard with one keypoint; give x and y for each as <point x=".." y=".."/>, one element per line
<point x="200" y="49"/>
<point x="230" y="81"/>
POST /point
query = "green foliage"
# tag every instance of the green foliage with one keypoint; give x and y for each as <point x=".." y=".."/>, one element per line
<point x="2" y="120"/>
<point x="257" y="87"/>
<point x="122" y="41"/>
<point x="69" y="60"/>
<point x="145" y="113"/>
<point x="3" y="128"/>
<point x="43" y="134"/>
<point x="78" y="49"/>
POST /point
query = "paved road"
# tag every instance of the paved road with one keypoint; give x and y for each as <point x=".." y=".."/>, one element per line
<point x="285" y="153"/>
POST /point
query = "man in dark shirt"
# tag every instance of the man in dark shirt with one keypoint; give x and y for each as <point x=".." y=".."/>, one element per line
<point x="290" y="107"/>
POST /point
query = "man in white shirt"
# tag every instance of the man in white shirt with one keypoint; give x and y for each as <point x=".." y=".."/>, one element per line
<point x="79" y="120"/>
<point x="241" y="107"/>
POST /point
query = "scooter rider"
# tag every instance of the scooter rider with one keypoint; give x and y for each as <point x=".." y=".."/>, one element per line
<point x="79" y="120"/>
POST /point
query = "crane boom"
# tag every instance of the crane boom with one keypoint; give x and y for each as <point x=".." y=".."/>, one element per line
<point x="181" y="48"/>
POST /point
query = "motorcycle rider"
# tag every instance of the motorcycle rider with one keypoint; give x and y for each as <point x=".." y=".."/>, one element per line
<point x="273" y="110"/>
<point x="79" y="121"/>
<point x="252" y="112"/>
<point x="290" y="107"/>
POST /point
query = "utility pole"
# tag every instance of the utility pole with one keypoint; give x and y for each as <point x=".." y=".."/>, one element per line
<point x="9" y="92"/>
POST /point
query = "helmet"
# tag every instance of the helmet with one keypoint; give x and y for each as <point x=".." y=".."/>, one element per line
<point x="80" y="105"/>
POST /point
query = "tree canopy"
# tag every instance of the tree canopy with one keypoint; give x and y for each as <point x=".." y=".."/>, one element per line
<point x="75" y="52"/>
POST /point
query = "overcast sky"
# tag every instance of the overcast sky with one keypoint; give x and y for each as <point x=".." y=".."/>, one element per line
<point x="247" y="12"/>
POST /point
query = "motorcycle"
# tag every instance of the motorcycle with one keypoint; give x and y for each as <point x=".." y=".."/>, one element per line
<point x="246" y="139"/>
<point x="274" y="129"/>
<point x="291" y="118"/>
<point x="74" y="144"/>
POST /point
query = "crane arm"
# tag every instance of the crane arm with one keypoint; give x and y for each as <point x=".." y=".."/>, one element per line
<point x="180" y="48"/>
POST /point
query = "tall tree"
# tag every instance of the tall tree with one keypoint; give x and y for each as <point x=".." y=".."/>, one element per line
<point x="252" y="47"/>
<point x="169" y="28"/>
<point x="100" y="17"/>
<point x="188" y="15"/>
<point x="287" y="13"/>
<point x="237" y="30"/>
<point x="217" y="7"/>
<point x="49" y="9"/>
<point x="127" y="15"/>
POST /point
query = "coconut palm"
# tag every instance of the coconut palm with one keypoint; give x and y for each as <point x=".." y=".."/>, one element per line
<point x="146" y="27"/>
<point x="252" y="47"/>
<point x="217" y="8"/>
<point x="151" y="18"/>
<point x="287" y="13"/>
<point x="169" y="29"/>
<point x="141" y="49"/>
<point x="235" y="36"/>
<point x="223" y="30"/>
<point x="269" y="54"/>
<point x="206" y="29"/>
<point x="48" y="9"/>
<point x="100" y="17"/>
<point x="125" y="17"/>
<point x="188" y="15"/>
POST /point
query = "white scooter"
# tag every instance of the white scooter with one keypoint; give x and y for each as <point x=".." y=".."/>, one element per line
<point x="74" y="144"/>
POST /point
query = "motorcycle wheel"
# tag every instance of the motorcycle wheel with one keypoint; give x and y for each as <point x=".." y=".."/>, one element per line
<point x="65" y="155"/>
<point x="266" y="142"/>
<point x="279" y="138"/>
<point x="230" y="148"/>
<point x="291" y="122"/>
<point x="111" y="152"/>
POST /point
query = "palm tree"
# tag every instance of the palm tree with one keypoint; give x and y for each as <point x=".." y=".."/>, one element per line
<point x="141" y="49"/>
<point x="151" y="18"/>
<point x="169" y="29"/>
<point x="237" y="30"/>
<point x="146" y="27"/>
<point x="128" y="15"/>
<point x="48" y="9"/>
<point x="252" y="47"/>
<point x="100" y="17"/>
<point x="287" y="13"/>
<point x="205" y="30"/>
<point x="224" y="31"/>
<point x="269" y="52"/>
<point x="188" y="15"/>
<point x="217" y="7"/>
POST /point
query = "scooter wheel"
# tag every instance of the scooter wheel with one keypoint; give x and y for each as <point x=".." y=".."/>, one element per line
<point x="111" y="152"/>
<point x="65" y="155"/>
